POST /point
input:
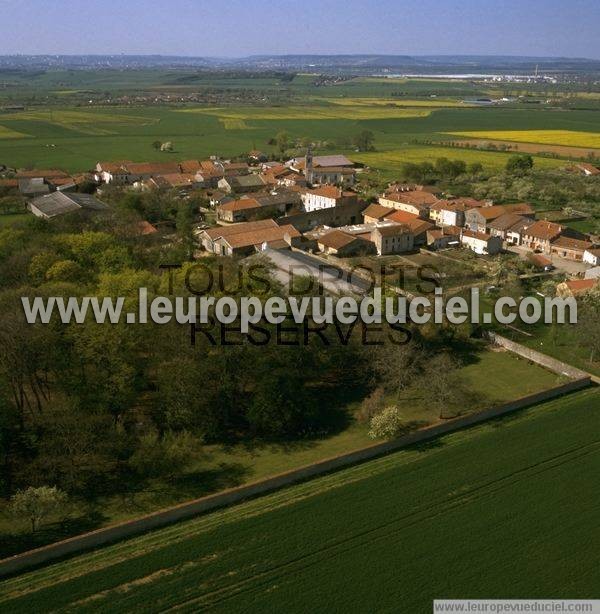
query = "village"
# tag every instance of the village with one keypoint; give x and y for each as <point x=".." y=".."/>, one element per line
<point x="310" y="203"/>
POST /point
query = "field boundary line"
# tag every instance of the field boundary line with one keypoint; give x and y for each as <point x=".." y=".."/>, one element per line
<point x="190" y="509"/>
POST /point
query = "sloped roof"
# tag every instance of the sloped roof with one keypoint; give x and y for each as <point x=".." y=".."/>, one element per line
<point x="376" y="211"/>
<point x="544" y="230"/>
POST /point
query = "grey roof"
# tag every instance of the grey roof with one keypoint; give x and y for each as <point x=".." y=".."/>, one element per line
<point x="34" y="185"/>
<point x="59" y="203"/>
<point x="335" y="160"/>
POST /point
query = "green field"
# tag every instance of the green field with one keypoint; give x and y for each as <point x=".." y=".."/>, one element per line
<point x="504" y="510"/>
<point x="74" y="139"/>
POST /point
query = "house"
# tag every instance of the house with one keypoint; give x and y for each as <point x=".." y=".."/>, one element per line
<point x="325" y="197"/>
<point x="569" y="248"/>
<point x="393" y="239"/>
<point x="247" y="237"/>
<point x="342" y="244"/>
<point x="539" y="235"/>
<point x="419" y="228"/>
<point x="245" y="208"/>
<point x="172" y="181"/>
<point x="417" y="202"/>
<point x="514" y="235"/>
<point x="501" y="226"/>
<point x="112" y="172"/>
<point x="443" y="238"/>
<point x="481" y="243"/>
<point x="575" y="287"/>
<point x="480" y="218"/>
<point x="592" y="256"/>
<point x="60" y="203"/>
<point x="374" y="213"/>
<point x="448" y="213"/>
<point x="321" y="170"/>
<point x="242" y="183"/>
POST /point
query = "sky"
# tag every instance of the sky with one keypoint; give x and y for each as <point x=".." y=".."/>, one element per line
<point x="235" y="28"/>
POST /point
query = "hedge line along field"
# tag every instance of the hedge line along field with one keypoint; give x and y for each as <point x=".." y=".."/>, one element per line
<point x="507" y="509"/>
<point x="74" y="139"/>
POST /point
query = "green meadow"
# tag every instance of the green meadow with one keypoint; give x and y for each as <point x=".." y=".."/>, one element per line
<point x="502" y="510"/>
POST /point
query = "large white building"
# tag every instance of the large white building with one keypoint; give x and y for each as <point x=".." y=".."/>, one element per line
<point x="325" y="197"/>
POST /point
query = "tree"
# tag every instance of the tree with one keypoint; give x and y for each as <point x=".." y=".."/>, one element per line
<point x="282" y="140"/>
<point x="519" y="165"/>
<point x="363" y="141"/>
<point x="36" y="504"/>
<point x="388" y="424"/>
<point x="157" y="145"/>
<point x="441" y="383"/>
<point x="167" y="457"/>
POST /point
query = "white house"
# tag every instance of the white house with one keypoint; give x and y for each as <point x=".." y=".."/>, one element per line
<point x="592" y="256"/>
<point x="481" y="243"/>
<point x="325" y="197"/>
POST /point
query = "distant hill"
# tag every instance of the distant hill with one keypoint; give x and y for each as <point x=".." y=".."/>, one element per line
<point x="360" y="64"/>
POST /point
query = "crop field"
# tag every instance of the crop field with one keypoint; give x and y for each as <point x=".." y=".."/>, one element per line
<point x="75" y="139"/>
<point x="314" y="112"/>
<point x="550" y="137"/>
<point x="502" y="510"/>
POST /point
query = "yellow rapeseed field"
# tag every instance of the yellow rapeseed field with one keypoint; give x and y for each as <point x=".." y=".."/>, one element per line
<point x="545" y="137"/>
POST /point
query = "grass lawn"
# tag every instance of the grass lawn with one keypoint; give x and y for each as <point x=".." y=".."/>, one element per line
<point x="495" y="511"/>
<point x="491" y="377"/>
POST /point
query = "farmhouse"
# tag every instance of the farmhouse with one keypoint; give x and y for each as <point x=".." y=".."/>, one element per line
<point x="569" y="248"/>
<point x="417" y="202"/>
<point x="247" y="237"/>
<point x="509" y="227"/>
<point x="393" y="239"/>
<point x="539" y="235"/>
<point x="442" y="238"/>
<point x="592" y="256"/>
<point x="60" y="203"/>
<point x="481" y="243"/>
<point x="342" y="244"/>
<point x="242" y="183"/>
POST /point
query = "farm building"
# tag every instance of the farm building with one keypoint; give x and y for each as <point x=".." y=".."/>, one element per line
<point x="60" y="203"/>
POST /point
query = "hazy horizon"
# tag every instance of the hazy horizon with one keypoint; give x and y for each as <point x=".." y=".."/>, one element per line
<point x="550" y="28"/>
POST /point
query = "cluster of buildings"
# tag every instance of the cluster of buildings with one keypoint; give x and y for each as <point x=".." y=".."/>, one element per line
<point x="308" y="203"/>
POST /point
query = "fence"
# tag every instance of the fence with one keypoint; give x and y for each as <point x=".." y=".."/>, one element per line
<point x="190" y="509"/>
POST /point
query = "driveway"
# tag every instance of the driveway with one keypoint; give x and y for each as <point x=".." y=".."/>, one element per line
<point x="570" y="267"/>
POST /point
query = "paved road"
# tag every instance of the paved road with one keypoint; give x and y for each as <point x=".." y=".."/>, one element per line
<point x="566" y="266"/>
